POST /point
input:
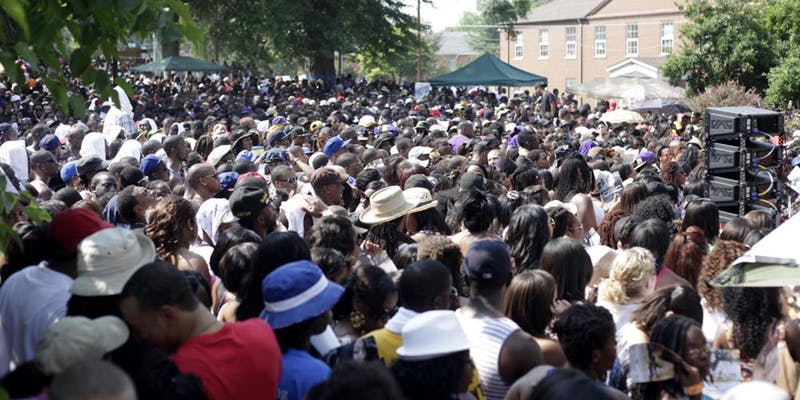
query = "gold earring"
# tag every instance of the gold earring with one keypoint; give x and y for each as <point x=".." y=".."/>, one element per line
<point x="357" y="319"/>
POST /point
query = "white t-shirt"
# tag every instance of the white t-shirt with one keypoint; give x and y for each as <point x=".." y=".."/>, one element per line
<point x="30" y="301"/>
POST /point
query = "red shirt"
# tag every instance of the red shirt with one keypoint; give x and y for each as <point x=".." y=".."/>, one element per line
<point x="240" y="361"/>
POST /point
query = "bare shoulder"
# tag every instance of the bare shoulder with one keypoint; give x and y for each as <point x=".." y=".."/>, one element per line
<point x="552" y="353"/>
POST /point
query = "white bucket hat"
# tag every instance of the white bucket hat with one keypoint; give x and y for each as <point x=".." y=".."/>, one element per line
<point x="432" y="334"/>
<point x="108" y="258"/>
<point x="72" y="340"/>
<point x="385" y="205"/>
<point x="572" y="208"/>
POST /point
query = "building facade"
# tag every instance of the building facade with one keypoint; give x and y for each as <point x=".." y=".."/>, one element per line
<point x="454" y="51"/>
<point x="575" y="41"/>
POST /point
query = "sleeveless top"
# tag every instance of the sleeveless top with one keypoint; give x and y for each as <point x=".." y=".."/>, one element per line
<point x="486" y="338"/>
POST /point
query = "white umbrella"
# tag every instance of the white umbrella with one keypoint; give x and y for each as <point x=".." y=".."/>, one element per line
<point x="622" y="87"/>
<point x="619" y="116"/>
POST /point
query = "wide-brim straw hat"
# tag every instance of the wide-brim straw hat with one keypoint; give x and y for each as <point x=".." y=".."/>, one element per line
<point x="421" y="199"/>
<point x="386" y="204"/>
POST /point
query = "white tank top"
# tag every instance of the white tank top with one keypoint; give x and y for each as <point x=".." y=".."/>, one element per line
<point x="486" y="338"/>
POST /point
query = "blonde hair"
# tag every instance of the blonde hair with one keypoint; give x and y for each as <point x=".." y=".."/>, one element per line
<point x="629" y="275"/>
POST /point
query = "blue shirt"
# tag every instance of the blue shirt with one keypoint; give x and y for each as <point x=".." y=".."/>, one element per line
<point x="299" y="373"/>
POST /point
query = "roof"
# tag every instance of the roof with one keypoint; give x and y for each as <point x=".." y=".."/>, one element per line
<point x="488" y="70"/>
<point x="562" y="10"/>
<point x="454" y="43"/>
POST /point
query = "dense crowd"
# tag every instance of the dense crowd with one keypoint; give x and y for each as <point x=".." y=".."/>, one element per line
<point x="230" y="237"/>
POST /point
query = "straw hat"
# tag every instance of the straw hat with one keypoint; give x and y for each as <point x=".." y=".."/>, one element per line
<point x="421" y="199"/>
<point x="385" y="205"/>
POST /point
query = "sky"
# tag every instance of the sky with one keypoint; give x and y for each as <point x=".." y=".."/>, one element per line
<point x="442" y="13"/>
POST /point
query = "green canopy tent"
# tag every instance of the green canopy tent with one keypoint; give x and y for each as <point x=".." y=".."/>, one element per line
<point x="772" y="262"/>
<point x="179" y="63"/>
<point x="488" y="70"/>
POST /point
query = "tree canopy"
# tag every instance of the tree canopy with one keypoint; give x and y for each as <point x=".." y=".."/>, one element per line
<point x="755" y="44"/>
<point x="60" y="38"/>
<point x="307" y="30"/>
<point x="495" y="13"/>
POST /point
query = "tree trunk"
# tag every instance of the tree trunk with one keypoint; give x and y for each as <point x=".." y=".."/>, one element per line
<point x="322" y="67"/>
<point x="171" y="48"/>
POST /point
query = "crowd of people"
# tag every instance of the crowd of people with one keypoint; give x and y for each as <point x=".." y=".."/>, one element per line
<point x="226" y="237"/>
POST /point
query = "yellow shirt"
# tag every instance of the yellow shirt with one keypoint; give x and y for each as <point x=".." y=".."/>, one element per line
<point x="387" y="342"/>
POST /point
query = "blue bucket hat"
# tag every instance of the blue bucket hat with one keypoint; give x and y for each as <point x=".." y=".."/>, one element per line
<point x="149" y="164"/>
<point x="333" y="145"/>
<point x="296" y="292"/>
<point x="68" y="171"/>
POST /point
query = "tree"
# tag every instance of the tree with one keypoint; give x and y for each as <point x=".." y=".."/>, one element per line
<point x="235" y="31"/>
<point x="495" y="13"/>
<point x="308" y="30"/>
<point x="38" y="32"/>
<point x="400" y="67"/>
<point x="726" y="40"/>
<point x="781" y="21"/>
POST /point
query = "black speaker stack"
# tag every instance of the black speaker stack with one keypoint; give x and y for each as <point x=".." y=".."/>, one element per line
<point x="743" y="164"/>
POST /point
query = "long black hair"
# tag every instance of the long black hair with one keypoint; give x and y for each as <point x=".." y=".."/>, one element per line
<point x="277" y="249"/>
<point x="573" y="177"/>
<point x="753" y="311"/>
<point x="388" y="236"/>
<point x="570" y="265"/>
<point x="527" y="235"/>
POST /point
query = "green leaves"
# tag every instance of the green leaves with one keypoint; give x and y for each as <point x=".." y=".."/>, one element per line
<point x="16" y="11"/>
<point x="725" y="41"/>
<point x="44" y="34"/>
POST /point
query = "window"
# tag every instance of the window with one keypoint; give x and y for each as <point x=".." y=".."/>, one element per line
<point x="570" y="83"/>
<point x="600" y="41"/>
<point x="518" y="46"/>
<point x="632" y="42"/>
<point x="571" y="44"/>
<point x="667" y="38"/>
<point x="544" y="43"/>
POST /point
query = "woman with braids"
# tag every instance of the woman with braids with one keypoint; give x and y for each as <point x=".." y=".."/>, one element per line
<point x="759" y="330"/>
<point x="684" y="337"/>
<point x="720" y="257"/>
<point x="173" y="229"/>
<point x="674" y="300"/>
<point x="631" y="194"/>
<point x="686" y="253"/>
<point x="528" y="232"/>
<point x="369" y="300"/>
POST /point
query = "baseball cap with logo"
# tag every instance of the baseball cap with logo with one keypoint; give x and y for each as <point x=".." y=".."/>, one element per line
<point x="248" y="201"/>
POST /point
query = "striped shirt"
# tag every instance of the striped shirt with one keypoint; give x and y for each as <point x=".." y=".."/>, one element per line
<point x="486" y="338"/>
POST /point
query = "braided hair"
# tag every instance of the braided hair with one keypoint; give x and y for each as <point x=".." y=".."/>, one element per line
<point x="753" y="311"/>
